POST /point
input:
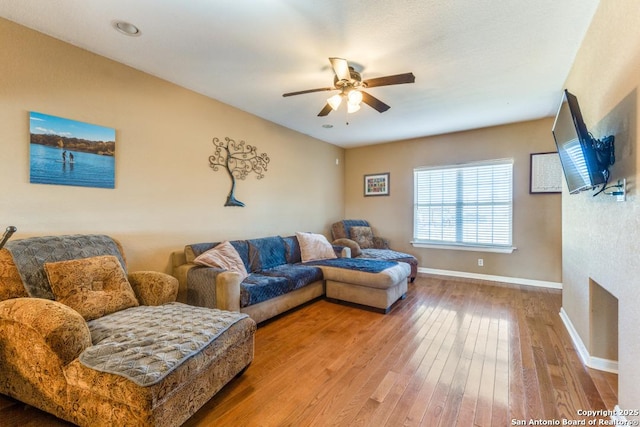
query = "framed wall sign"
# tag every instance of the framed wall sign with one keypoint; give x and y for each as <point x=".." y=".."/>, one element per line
<point x="376" y="184"/>
<point x="546" y="173"/>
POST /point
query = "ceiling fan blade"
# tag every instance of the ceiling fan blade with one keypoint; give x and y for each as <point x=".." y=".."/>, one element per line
<point x="374" y="102"/>
<point x="325" y="111"/>
<point x="390" y="80"/>
<point x="341" y="68"/>
<point x="301" y="92"/>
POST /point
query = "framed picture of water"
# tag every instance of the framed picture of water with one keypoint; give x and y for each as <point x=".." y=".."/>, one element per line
<point x="68" y="152"/>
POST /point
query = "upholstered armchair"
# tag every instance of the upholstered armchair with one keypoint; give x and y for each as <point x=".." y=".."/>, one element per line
<point x="357" y="235"/>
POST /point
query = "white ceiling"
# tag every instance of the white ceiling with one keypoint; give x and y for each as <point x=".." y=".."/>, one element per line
<point x="477" y="62"/>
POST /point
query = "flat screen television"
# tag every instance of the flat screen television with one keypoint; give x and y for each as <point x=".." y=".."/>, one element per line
<point x="585" y="160"/>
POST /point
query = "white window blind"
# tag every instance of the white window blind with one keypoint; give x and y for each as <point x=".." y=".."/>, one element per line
<point x="464" y="205"/>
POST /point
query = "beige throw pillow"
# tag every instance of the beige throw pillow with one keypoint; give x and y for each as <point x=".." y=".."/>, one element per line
<point x="314" y="247"/>
<point x="94" y="287"/>
<point x="223" y="256"/>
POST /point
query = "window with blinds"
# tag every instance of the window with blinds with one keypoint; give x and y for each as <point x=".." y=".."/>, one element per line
<point x="467" y="205"/>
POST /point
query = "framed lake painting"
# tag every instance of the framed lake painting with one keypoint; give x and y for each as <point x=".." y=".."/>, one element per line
<point x="68" y="152"/>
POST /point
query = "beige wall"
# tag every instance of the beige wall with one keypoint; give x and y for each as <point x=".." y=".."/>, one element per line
<point x="601" y="237"/>
<point x="166" y="195"/>
<point x="536" y="218"/>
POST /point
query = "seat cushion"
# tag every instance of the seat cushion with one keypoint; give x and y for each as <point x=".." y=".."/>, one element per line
<point x="280" y="280"/>
<point x="384" y="254"/>
<point x="388" y="273"/>
<point x="257" y="288"/>
<point x="391" y="255"/>
<point x="145" y="344"/>
<point x="299" y="275"/>
<point x="115" y="400"/>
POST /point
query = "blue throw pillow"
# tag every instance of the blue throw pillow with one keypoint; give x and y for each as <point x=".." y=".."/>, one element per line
<point x="266" y="253"/>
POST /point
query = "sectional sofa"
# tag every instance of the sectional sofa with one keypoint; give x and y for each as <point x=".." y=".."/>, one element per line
<point x="271" y="275"/>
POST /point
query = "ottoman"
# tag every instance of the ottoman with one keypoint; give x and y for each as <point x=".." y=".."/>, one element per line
<point x="374" y="288"/>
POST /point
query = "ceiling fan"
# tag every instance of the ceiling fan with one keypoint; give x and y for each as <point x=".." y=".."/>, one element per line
<point x="350" y="84"/>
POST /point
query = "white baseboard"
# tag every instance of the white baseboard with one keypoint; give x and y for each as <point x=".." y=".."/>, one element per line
<point x="591" y="361"/>
<point x="490" y="278"/>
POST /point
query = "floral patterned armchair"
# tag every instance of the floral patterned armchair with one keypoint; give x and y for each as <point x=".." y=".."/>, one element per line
<point x="357" y="235"/>
<point x="64" y="300"/>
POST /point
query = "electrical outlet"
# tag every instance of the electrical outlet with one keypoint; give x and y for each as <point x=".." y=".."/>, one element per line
<point x="622" y="185"/>
<point x="480" y="262"/>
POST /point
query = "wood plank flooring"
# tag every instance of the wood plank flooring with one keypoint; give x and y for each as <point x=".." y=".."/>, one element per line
<point x="453" y="353"/>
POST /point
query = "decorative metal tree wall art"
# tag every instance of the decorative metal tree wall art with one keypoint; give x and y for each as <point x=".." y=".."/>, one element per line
<point x="239" y="160"/>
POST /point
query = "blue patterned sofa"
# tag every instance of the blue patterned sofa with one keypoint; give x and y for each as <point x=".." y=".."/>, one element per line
<point x="278" y="277"/>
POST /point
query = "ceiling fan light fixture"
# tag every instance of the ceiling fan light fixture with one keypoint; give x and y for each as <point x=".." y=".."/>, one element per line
<point x="335" y="101"/>
<point x="355" y="97"/>
<point x="349" y="81"/>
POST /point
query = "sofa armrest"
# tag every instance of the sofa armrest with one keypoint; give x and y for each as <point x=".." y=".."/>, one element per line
<point x="342" y="251"/>
<point x="153" y="287"/>
<point x="213" y="287"/>
<point x="228" y="290"/>
<point x="352" y="246"/>
<point x="27" y="324"/>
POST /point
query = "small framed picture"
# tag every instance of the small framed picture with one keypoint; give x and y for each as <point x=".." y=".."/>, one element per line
<point x="376" y="184"/>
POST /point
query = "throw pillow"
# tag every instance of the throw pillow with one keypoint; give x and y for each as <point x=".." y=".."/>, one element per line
<point x="351" y="244"/>
<point x="93" y="287"/>
<point x="363" y="236"/>
<point x="314" y="247"/>
<point x="223" y="256"/>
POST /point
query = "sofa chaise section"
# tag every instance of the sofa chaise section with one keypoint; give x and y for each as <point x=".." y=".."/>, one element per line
<point x="44" y="342"/>
<point x="277" y="274"/>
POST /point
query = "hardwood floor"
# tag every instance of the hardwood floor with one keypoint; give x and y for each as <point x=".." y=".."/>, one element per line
<point x="452" y="353"/>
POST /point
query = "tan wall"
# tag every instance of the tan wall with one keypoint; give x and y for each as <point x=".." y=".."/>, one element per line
<point x="601" y="240"/>
<point x="536" y="218"/>
<point x="166" y="195"/>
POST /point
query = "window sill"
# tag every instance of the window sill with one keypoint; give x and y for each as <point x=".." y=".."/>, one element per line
<point x="500" y="250"/>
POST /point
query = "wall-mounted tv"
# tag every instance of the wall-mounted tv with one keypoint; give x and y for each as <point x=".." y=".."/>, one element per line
<point x="585" y="160"/>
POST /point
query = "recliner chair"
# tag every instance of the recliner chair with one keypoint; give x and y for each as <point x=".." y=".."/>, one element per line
<point x="358" y="236"/>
